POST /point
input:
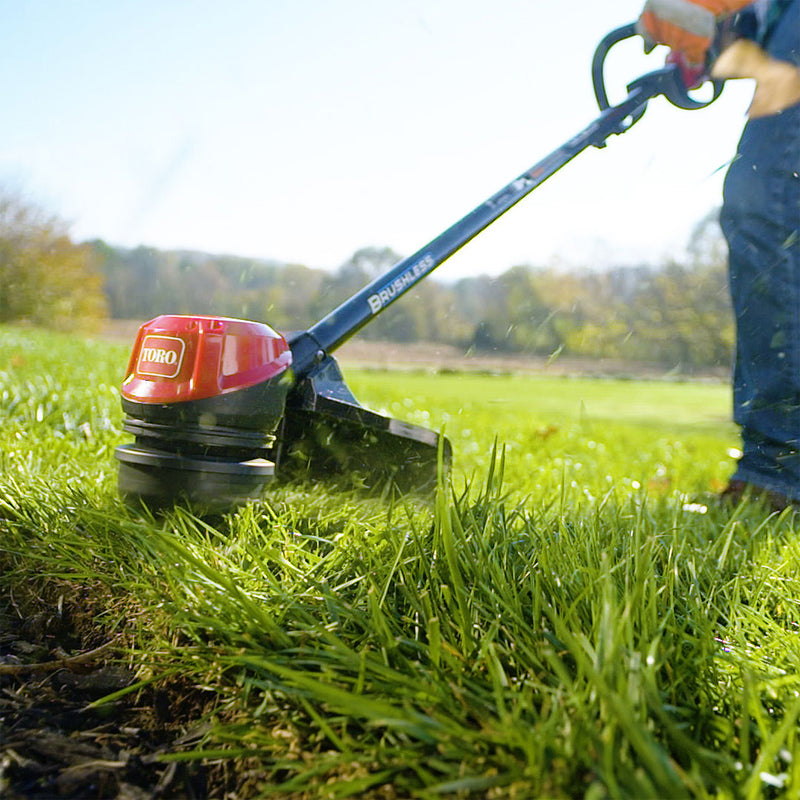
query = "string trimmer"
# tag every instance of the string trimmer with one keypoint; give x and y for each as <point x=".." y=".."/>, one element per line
<point x="220" y="406"/>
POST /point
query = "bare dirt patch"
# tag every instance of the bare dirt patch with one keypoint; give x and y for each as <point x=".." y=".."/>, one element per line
<point x="54" y="663"/>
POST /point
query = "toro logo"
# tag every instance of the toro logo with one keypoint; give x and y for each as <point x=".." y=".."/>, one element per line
<point x="161" y="356"/>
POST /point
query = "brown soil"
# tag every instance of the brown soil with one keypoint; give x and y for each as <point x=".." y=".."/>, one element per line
<point x="54" y="743"/>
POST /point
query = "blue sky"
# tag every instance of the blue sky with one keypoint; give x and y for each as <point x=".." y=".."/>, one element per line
<point x="303" y="130"/>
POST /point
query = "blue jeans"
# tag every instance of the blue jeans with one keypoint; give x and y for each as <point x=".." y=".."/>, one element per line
<point x="761" y="221"/>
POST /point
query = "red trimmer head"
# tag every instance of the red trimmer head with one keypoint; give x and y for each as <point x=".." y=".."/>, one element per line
<point x="219" y="407"/>
<point x="203" y="397"/>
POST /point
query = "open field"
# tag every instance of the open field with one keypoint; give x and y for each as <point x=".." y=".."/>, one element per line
<point x="571" y="617"/>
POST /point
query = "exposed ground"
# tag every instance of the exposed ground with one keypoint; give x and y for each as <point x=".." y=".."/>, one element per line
<point x="54" y="663"/>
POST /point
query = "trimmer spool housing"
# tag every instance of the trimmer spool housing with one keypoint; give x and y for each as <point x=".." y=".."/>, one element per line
<point x="203" y="396"/>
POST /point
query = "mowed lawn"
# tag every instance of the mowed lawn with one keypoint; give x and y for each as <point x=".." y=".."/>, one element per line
<point x="571" y="616"/>
<point x="668" y="435"/>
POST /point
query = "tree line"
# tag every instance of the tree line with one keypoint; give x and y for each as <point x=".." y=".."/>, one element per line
<point x="676" y="314"/>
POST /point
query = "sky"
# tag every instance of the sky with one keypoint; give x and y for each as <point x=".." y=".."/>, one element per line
<point x="303" y="130"/>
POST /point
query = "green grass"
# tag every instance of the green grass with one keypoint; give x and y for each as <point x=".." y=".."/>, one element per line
<point x="640" y="430"/>
<point x="570" y="618"/>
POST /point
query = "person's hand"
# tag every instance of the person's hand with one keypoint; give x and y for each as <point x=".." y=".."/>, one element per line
<point x="685" y="26"/>
<point x="777" y="82"/>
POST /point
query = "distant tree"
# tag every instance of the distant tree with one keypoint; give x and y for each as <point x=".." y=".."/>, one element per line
<point x="143" y="282"/>
<point x="352" y="276"/>
<point x="368" y="263"/>
<point x="45" y="278"/>
<point x="287" y="305"/>
<point x="707" y="247"/>
<point x="681" y="314"/>
<point x="509" y="312"/>
<point x="427" y="312"/>
<point x="673" y="315"/>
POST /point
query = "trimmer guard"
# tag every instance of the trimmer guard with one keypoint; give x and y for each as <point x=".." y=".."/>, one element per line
<point x="325" y="435"/>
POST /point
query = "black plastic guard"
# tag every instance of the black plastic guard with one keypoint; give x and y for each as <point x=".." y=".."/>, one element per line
<point x="326" y="436"/>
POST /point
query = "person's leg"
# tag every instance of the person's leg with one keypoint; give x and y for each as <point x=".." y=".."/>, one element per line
<point x="761" y="221"/>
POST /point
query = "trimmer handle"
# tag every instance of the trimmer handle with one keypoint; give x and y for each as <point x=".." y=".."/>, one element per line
<point x="677" y="91"/>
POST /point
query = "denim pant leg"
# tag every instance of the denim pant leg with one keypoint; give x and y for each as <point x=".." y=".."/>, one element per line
<point x="761" y="221"/>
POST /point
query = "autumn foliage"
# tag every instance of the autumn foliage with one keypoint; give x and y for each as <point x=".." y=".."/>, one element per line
<point x="46" y="279"/>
